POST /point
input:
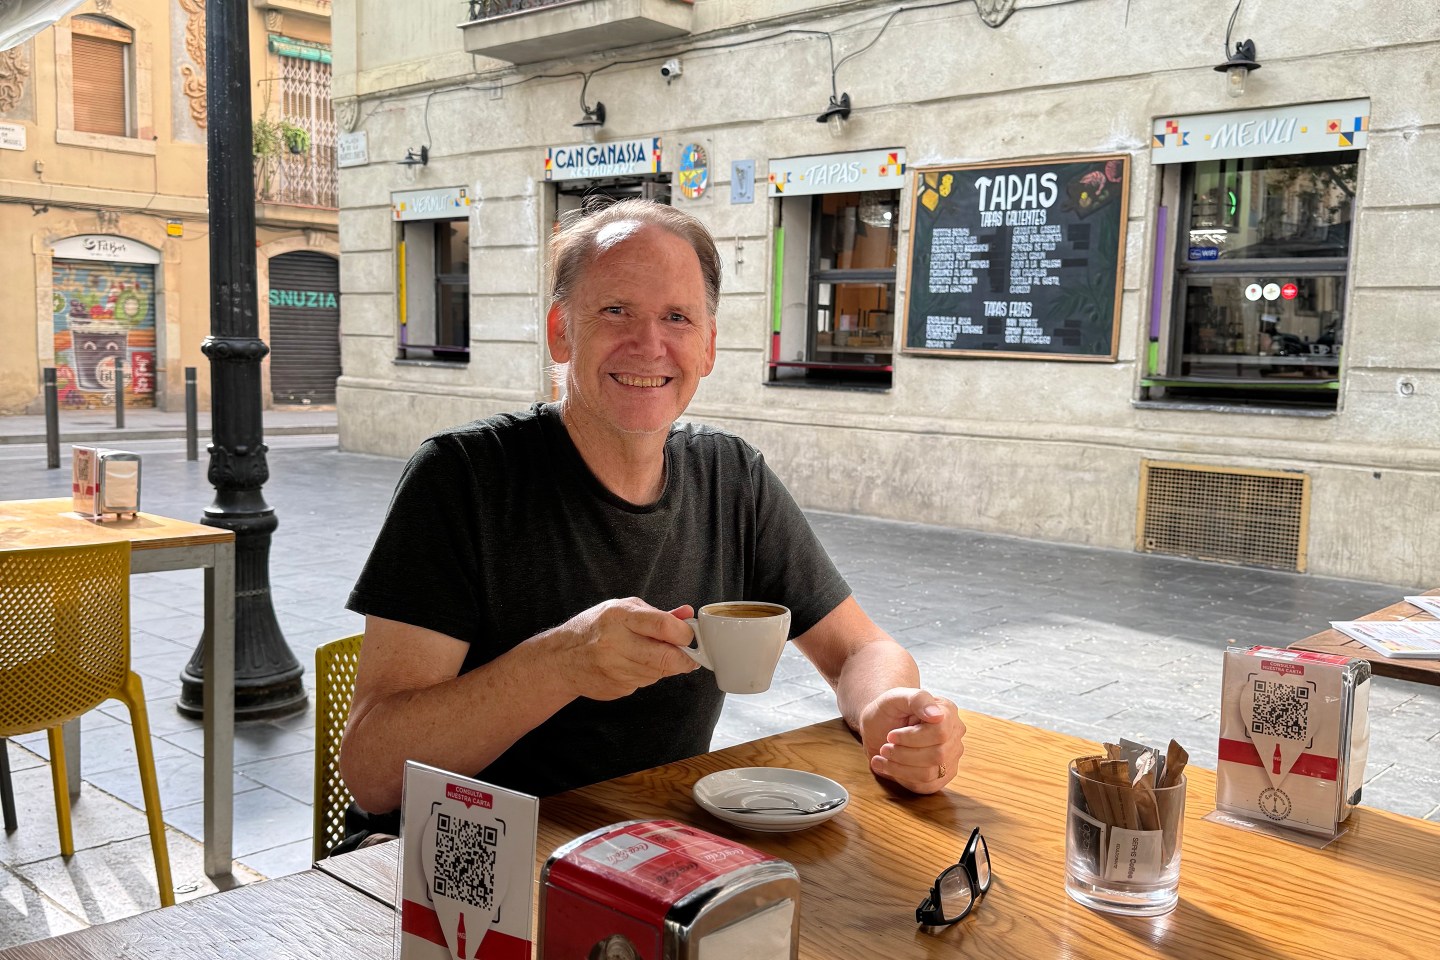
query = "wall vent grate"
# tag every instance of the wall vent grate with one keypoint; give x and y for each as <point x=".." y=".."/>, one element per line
<point x="1225" y="514"/>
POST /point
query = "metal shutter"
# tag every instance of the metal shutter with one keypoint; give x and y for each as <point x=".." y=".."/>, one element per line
<point x="103" y="312"/>
<point x="304" y="328"/>
<point x="98" y="70"/>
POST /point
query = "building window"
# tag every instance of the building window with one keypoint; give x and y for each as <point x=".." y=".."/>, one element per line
<point x="435" y="299"/>
<point x="102" y="73"/>
<point x="1262" y="260"/>
<point x="845" y="247"/>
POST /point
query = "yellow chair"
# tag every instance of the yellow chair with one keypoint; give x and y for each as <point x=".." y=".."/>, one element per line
<point x="335" y="664"/>
<point x="64" y="650"/>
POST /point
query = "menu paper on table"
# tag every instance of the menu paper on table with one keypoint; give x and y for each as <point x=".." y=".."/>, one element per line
<point x="1430" y="604"/>
<point x="467" y="869"/>
<point x="1401" y="639"/>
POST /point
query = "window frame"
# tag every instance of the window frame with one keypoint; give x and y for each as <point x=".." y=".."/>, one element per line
<point x="868" y="375"/>
<point x="139" y="97"/>
<point x="1238" y="391"/>
<point x="442" y="284"/>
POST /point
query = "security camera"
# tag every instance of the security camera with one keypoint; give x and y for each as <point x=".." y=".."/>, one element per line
<point x="671" y="68"/>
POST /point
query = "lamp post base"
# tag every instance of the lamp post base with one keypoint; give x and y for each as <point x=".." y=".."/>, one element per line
<point x="268" y="679"/>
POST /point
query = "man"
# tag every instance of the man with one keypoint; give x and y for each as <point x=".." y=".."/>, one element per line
<point x="497" y="641"/>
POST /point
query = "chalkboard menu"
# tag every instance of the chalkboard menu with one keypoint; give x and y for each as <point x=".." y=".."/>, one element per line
<point x="1018" y="260"/>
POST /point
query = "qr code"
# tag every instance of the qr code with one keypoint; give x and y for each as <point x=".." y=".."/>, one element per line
<point x="1281" y="710"/>
<point x="465" y="860"/>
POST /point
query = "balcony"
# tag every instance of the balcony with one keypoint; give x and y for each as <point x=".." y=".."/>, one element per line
<point x="528" y="31"/>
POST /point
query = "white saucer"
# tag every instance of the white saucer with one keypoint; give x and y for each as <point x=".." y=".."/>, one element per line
<point x="768" y="787"/>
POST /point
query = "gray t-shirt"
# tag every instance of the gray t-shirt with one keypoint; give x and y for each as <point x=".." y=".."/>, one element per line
<point x="498" y="531"/>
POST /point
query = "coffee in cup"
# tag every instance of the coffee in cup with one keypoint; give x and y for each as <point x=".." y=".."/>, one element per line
<point x="741" y="642"/>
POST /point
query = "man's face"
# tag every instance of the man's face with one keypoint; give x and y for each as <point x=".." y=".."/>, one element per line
<point x="639" y="335"/>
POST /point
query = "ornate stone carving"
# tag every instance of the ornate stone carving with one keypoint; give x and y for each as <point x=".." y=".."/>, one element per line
<point x="347" y="111"/>
<point x="274" y="21"/>
<point x="14" y="70"/>
<point x="108" y="221"/>
<point x="103" y="6"/>
<point x="995" y="12"/>
<point x="195" y="46"/>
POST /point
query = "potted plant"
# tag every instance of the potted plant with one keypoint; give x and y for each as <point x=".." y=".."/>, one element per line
<point x="296" y="138"/>
<point x="265" y="134"/>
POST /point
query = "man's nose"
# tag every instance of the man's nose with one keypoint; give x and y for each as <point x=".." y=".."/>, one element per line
<point x="648" y="335"/>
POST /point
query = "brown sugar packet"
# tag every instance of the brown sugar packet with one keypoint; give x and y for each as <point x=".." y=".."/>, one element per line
<point x="1172" y="807"/>
<point x="1145" y="804"/>
<point x="1112" y="751"/>
<point x="1175" y="760"/>
<point x="1089" y="770"/>
<point x="1122" y="798"/>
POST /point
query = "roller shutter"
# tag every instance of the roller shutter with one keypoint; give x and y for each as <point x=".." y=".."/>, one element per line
<point x="304" y="328"/>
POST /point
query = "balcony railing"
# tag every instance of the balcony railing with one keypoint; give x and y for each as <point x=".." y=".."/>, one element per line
<point x="307" y="179"/>
<point x="485" y="9"/>
<point x="528" y="31"/>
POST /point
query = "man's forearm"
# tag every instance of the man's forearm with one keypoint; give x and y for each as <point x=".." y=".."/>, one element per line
<point x="462" y="724"/>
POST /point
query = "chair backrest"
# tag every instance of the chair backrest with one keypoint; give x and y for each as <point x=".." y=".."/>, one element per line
<point x="335" y="664"/>
<point x="64" y="632"/>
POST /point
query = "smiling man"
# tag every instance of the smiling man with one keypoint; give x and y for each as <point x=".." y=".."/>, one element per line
<point x="525" y="597"/>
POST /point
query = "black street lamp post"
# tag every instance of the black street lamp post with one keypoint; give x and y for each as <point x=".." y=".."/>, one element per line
<point x="267" y="676"/>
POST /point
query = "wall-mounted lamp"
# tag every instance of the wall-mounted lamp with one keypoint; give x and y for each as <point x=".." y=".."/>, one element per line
<point x="836" y="114"/>
<point x="413" y="159"/>
<point x="1238" y="66"/>
<point x="593" y="120"/>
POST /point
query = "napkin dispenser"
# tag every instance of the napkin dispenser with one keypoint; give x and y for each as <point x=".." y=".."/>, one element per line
<point x="1294" y="736"/>
<point x="104" y="482"/>
<point x="660" y="890"/>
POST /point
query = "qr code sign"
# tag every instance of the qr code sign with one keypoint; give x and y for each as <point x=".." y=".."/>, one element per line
<point x="1281" y="710"/>
<point x="465" y="860"/>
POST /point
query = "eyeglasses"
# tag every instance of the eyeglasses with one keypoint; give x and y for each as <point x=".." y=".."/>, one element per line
<point x="958" y="887"/>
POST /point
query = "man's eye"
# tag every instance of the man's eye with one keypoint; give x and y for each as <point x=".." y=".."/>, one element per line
<point x="678" y="318"/>
<point x="616" y="311"/>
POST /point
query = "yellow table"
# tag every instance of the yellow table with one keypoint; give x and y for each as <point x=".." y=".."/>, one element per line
<point x="159" y="543"/>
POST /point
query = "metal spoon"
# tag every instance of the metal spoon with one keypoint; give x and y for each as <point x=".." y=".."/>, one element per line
<point x="820" y="807"/>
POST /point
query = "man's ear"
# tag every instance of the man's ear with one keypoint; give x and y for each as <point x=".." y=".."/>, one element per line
<point x="710" y="350"/>
<point x="555" y="334"/>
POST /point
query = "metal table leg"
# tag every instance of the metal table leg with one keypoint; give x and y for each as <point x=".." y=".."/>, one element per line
<point x="219" y="705"/>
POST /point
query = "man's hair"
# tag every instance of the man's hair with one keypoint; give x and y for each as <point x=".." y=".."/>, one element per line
<point x="573" y="245"/>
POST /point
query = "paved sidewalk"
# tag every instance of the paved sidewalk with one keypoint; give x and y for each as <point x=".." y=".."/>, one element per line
<point x="147" y="423"/>
<point x="1097" y="643"/>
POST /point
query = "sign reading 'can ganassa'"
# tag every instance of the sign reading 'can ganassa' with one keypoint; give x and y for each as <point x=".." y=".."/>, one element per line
<point x="620" y="158"/>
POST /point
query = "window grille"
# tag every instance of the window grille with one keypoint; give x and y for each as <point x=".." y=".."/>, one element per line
<point x="307" y="178"/>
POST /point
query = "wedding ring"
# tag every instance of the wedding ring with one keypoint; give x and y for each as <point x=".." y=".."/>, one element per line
<point x="942" y="771"/>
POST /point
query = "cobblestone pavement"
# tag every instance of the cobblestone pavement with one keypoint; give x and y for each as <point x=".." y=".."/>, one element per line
<point x="1097" y="643"/>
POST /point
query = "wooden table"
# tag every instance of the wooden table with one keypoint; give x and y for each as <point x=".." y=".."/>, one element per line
<point x="305" y="916"/>
<point x="1242" y="895"/>
<point x="1333" y="641"/>
<point x="159" y="543"/>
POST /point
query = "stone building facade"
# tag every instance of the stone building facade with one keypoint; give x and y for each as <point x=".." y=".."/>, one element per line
<point x="103" y="214"/>
<point x="1042" y="268"/>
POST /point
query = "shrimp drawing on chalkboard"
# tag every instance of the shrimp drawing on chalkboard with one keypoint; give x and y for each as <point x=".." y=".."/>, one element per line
<point x="1093" y="189"/>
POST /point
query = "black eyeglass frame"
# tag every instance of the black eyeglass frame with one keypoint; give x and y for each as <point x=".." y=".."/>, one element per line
<point x="930" y="913"/>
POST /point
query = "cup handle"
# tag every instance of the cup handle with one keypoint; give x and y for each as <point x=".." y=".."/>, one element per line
<point x="697" y="653"/>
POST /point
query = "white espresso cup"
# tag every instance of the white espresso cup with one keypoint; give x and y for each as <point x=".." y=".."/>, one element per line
<point x="740" y="641"/>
